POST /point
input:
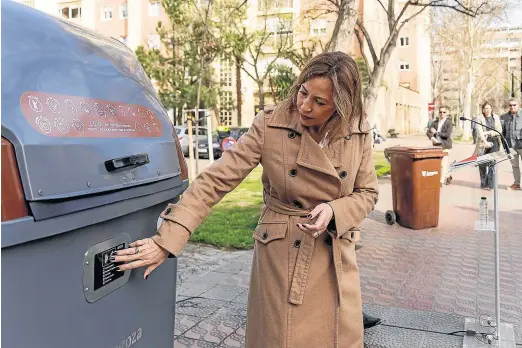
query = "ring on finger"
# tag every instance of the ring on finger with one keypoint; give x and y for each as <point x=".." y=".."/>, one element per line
<point x="136" y="250"/>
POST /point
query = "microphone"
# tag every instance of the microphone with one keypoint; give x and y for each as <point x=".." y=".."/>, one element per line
<point x="503" y="140"/>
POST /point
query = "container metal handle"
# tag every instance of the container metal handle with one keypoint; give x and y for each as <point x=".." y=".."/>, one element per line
<point x="122" y="163"/>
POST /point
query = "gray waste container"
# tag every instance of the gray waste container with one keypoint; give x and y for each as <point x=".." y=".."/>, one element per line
<point x="89" y="160"/>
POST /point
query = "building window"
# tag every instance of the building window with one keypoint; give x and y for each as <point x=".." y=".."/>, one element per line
<point x="405" y="41"/>
<point x="265" y="5"/>
<point x="280" y="31"/>
<point x="124" y="11"/>
<point x="318" y="27"/>
<point x="154" y="8"/>
<point x="404" y="65"/>
<point x="107" y="13"/>
<point x="69" y="12"/>
<point x="64" y="12"/>
<point x="154" y="41"/>
<point x="225" y="112"/>
<point x="225" y="71"/>
<point x="76" y="12"/>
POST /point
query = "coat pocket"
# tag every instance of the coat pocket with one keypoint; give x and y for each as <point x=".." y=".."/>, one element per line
<point x="267" y="232"/>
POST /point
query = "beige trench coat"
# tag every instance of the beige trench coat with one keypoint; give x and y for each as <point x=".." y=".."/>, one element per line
<point x="304" y="292"/>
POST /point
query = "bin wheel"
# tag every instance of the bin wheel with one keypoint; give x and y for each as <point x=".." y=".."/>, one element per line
<point x="391" y="218"/>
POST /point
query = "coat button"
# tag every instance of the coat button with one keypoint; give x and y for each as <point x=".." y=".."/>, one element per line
<point x="297" y="204"/>
<point x="343" y="174"/>
<point x="167" y="211"/>
<point x="348" y="137"/>
<point x="297" y="243"/>
<point x="264" y="236"/>
<point x="292" y="134"/>
<point x="293" y="172"/>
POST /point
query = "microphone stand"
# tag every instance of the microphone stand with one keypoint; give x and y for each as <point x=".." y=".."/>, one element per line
<point x="507" y="329"/>
<point x="502" y="139"/>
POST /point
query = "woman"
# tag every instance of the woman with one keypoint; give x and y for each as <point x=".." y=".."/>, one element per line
<point x="319" y="185"/>
<point x="488" y="141"/>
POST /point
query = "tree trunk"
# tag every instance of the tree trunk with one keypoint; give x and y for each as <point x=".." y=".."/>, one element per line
<point x="216" y="120"/>
<point x="370" y="95"/>
<point x="239" y="96"/>
<point x="332" y="44"/>
<point x="261" y="90"/>
<point x="344" y="24"/>
<point x="179" y="116"/>
<point x="467" y="106"/>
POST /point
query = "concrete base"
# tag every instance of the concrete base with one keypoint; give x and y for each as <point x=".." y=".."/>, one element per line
<point x="507" y="335"/>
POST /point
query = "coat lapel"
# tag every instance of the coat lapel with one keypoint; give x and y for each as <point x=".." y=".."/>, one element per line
<point x="312" y="156"/>
<point x="335" y="152"/>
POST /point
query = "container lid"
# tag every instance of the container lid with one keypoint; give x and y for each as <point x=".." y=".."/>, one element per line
<point x="79" y="109"/>
<point x="417" y="152"/>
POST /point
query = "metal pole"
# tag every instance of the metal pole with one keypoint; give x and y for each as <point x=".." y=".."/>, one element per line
<point x="201" y="62"/>
<point x="192" y="172"/>
<point x="209" y="138"/>
<point x="497" y="250"/>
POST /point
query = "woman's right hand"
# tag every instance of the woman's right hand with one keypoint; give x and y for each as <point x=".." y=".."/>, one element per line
<point x="141" y="253"/>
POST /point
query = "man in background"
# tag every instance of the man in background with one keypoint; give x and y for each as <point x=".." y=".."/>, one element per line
<point x="440" y="135"/>
<point x="512" y="131"/>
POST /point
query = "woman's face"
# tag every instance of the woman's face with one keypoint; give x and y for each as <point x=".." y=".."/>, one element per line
<point x="487" y="110"/>
<point x="315" y="101"/>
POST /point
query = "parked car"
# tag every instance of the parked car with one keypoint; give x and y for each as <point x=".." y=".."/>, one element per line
<point x="182" y="132"/>
<point x="234" y="132"/>
<point x="202" y="150"/>
<point x="237" y="132"/>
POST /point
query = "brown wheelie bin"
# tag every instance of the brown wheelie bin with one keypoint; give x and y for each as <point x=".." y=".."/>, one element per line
<point x="415" y="175"/>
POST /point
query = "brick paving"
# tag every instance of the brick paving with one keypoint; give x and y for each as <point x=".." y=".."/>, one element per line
<point x="422" y="283"/>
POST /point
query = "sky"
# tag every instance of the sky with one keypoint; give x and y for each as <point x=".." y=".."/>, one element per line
<point x="515" y="14"/>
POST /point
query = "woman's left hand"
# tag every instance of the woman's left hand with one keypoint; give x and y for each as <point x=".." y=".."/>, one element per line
<point x="141" y="253"/>
<point x="323" y="213"/>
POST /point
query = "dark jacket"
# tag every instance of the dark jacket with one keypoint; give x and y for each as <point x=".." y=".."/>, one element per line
<point x="445" y="133"/>
<point x="512" y="129"/>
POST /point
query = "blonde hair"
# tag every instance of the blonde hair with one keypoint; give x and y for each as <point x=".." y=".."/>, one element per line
<point x="342" y="71"/>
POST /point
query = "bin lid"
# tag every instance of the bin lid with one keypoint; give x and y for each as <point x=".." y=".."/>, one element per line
<point x="417" y="152"/>
<point x="79" y="109"/>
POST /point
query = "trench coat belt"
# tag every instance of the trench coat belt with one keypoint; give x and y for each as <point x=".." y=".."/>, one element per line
<point x="304" y="256"/>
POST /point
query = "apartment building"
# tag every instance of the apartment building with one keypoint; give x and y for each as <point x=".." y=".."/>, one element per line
<point x="130" y="21"/>
<point x="405" y="92"/>
<point x="497" y="70"/>
<point x="402" y="101"/>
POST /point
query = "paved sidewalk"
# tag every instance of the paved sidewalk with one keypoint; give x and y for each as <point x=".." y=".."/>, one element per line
<point x="422" y="283"/>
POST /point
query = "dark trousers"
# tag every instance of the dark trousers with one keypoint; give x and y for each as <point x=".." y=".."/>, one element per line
<point x="486" y="176"/>
<point x="486" y="173"/>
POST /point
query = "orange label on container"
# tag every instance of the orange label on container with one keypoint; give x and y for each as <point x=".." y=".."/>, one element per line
<point x="77" y="117"/>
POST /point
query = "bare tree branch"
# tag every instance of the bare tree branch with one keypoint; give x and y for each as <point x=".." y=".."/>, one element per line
<point x="361" y="47"/>
<point x="394" y="21"/>
<point x="458" y="6"/>
<point x="391" y="14"/>
<point x="382" y="5"/>
<point x="368" y="41"/>
<point x="410" y="18"/>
